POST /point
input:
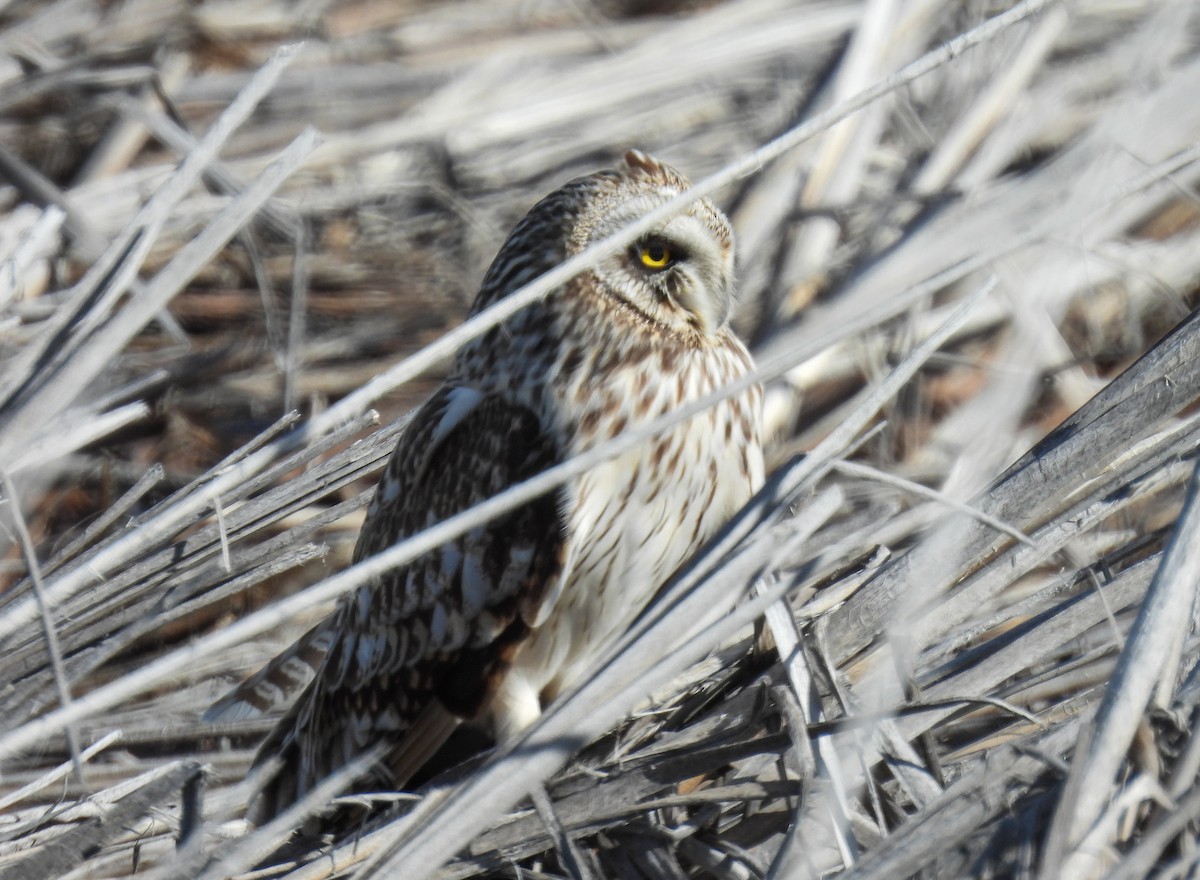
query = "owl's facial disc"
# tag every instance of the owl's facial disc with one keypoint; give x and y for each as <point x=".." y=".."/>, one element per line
<point x="680" y="274"/>
<point x="697" y="274"/>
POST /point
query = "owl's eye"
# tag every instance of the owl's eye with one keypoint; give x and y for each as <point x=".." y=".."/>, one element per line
<point x="655" y="254"/>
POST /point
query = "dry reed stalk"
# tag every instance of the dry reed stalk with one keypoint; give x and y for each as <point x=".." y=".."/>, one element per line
<point x="982" y="663"/>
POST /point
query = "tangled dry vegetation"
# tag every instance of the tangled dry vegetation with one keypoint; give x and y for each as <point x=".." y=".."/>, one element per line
<point x="955" y="639"/>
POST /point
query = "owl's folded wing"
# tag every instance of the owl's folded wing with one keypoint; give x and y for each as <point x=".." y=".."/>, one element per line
<point x="428" y="644"/>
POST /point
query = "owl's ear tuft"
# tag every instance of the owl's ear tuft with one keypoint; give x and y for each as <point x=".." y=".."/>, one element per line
<point x="639" y="161"/>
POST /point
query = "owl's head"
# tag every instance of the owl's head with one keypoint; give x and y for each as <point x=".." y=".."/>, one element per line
<point x="678" y="275"/>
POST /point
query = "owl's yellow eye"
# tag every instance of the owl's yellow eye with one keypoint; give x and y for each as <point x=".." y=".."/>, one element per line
<point x="655" y="254"/>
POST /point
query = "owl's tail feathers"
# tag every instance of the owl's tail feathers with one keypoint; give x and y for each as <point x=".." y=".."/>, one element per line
<point x="288" y="777"/>
<point x="279" y="762"/>
<point x="420" y="742"/>
<point x="274" y="686"/>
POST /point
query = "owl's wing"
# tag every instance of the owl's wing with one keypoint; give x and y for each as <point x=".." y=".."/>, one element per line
<point x="273" y="686"/>
<point x="428" y="644"/>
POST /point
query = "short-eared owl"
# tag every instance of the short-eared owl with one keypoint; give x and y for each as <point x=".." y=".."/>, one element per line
<point x="494" y="624"/>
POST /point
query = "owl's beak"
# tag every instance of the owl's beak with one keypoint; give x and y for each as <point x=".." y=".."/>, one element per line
<point x="707" y="291"/>
<point x="709" y="300"/>
<point x="723" y="293"/>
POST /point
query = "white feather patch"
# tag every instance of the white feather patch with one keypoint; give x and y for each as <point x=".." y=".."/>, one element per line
<point x="367" y="649"/>
<point x="437" y="626"/>
<point x="474" y="586"/>
<point x="460" y="401"/>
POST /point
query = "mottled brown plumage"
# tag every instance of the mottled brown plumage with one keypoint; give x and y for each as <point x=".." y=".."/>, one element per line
<point x="496" y="623"/>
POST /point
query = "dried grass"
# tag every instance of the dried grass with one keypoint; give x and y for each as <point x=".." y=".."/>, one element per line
<point x="974" y="597"/>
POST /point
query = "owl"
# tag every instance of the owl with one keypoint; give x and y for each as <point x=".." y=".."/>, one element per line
<point x="492" y="625"/>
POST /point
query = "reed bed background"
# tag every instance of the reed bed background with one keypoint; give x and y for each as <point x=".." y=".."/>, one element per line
<point x="956" y="638"/>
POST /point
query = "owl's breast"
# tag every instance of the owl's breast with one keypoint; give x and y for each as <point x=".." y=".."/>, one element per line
<point x="635" y="519"/>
